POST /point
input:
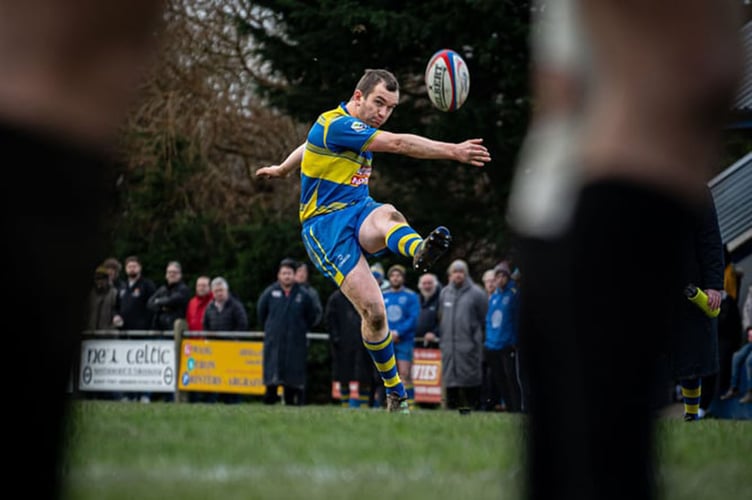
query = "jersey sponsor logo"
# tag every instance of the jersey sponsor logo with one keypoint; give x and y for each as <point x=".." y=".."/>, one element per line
<point x="359" y="180"/>
<point x="358" y="126"/>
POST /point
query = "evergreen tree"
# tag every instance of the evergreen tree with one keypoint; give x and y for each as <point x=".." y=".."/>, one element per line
<point x="320" y="50"/>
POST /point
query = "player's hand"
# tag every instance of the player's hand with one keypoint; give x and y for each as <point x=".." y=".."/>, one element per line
<point x="274" y="171"/>
<point x="473" y="152"/>
<point x="395" y="336"/>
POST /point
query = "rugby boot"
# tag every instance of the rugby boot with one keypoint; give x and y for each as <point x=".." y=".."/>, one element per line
<point x="397" y="404"/>
<point x="431" y="249"/>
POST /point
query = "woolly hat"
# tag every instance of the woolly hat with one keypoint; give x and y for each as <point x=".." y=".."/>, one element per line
<point x="377" y="270"/>
<point x="398" y="268"/>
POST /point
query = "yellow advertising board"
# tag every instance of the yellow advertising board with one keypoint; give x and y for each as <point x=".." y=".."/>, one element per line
<point x="230" y="366"/>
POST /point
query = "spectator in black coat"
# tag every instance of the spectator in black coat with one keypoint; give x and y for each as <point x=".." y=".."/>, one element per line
<point x="286" y="312"/>
<point x="170" y="300"/>
<point x="224" y="313"/>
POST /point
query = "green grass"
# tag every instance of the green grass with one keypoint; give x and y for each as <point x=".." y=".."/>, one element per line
<point x="250" y="451"/>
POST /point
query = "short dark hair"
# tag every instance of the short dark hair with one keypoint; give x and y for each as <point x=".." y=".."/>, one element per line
<point x="373" y="77"/>
<point x="288" y="262"/>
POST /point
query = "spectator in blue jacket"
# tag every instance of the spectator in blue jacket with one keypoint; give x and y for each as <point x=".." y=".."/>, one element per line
<point x="402" y="311"/>
<point x="500" y="346"/>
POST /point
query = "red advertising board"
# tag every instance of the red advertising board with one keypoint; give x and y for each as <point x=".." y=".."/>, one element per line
<point x="427" y="375"/>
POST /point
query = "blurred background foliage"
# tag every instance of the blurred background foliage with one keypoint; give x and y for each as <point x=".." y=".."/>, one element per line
<point x="236" y="87"/>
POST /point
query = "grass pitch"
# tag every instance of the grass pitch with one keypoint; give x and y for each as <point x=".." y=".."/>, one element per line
<point x="250" y="451"/>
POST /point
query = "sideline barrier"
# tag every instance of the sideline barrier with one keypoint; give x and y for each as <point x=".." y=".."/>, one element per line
<point x="182" y="361"/>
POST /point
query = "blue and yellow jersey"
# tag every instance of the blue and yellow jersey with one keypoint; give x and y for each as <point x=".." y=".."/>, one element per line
<point x="335" y="168"/>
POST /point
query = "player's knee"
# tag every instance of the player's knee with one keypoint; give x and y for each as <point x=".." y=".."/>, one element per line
<point x="394" y="214"/>
<point x="375" y="317"/>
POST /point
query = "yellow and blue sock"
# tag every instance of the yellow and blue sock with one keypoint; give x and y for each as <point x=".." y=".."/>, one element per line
<point x="344" y="395"/>
<point x="403" y="240"/>
<point x="382" y="353"/>
<point x="691" y="390"/>
<point x="362" y="400"/>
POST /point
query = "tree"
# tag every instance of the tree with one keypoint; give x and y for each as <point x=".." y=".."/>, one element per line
<point x="189" y="149"/>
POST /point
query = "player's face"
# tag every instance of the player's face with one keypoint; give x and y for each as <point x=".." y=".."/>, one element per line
<point x="376" y="108"/>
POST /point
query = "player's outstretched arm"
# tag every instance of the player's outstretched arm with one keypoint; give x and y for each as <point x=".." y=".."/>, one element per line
<point x="291" y="163"/>
<point x="471" y="151"/>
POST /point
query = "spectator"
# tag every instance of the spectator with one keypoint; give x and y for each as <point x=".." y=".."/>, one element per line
<point x="170" y="301"/>
<point x="350" y="358"/>
<point x="729" y="324"/>
<point x="606" y="183"/>
<point x="378" y="272"/>
<point x="428" y="320"/>
<point x="462" y="318"/>
<point x="225" y="313"/>
<point x="134" y="312"/>
<point x="194" y="317"/>
<point x="743" y="357"/>
<point x="286" y="313"/>
<point x="500" y="346"/>
<point x="402" y="311"/>
<point x="694" y="339"/>
<point x="134" y="296"/>
<point x="103" y="302"/>
<point x="489" y="281"/>
<point x="301" y="277"/>
<point x="489" y="285"/>
<point x="67" y="83"/>
<point x="102" y="310"/>
<point x="114" y="267"/>
<point x="194" y="313"/>
<point x="168" y="304"/>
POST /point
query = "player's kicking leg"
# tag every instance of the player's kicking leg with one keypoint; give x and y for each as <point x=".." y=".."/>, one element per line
<point x="361" y="289"/>
<point x="387" y="227"/>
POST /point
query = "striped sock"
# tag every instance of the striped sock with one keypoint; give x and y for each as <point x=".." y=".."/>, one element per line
<point x="403" y="240"/>
<point x="344" y="395"/>
<point x="691" y="391"/>
<point x="382" y="353"/>
<point x="363" y="398"/>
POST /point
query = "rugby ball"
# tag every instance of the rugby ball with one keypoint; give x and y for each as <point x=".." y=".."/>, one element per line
<point x="447" y="80"/>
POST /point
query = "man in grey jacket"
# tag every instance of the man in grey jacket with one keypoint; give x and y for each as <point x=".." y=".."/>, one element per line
<point x="462" y="316"/>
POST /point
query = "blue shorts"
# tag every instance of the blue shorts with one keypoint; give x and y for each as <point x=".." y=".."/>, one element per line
<point x="331" y="240"/>
<point x="403" y="350"/>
